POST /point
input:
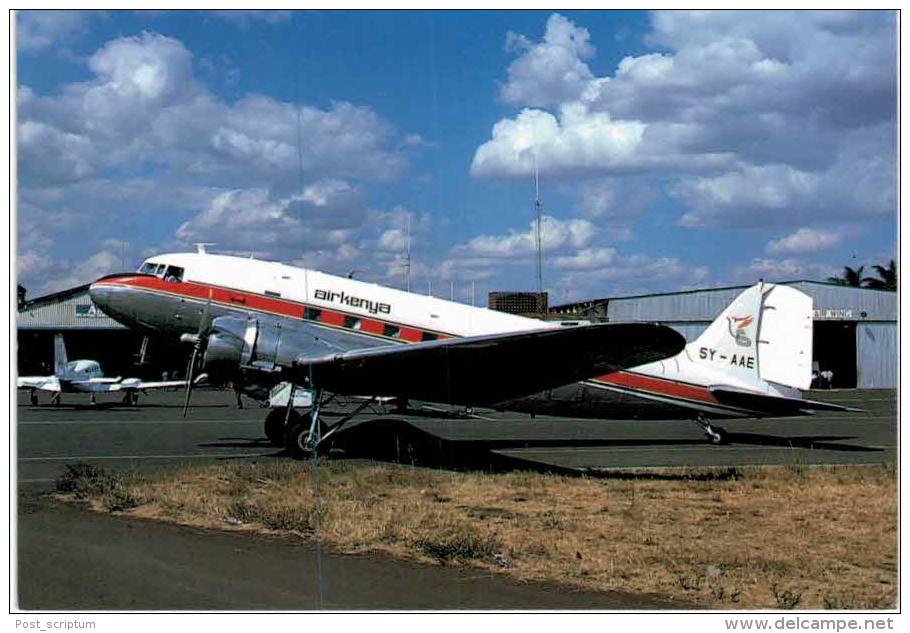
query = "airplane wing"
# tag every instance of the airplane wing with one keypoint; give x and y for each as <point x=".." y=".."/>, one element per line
<point x="481" y="370"/>
<point x="772" y="405"/>
<point x="134" y="384"/>
<point x="110" y="385"/>
<point x="43" y="383"/>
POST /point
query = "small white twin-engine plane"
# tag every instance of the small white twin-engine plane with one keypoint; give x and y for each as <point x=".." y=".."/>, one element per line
<point x="85" y="376"/>
<point x="259" y="323"/>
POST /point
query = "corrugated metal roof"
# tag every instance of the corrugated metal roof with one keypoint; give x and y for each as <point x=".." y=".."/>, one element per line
<point x="830" y="301"/>
<point x="71" y="309"/>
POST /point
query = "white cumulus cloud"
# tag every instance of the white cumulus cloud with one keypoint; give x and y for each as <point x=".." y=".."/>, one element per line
<point x="40" y="30"/>
<point x="552" y="71"/>
<point x="744" y="117"/>
<point x="804" y="240"/>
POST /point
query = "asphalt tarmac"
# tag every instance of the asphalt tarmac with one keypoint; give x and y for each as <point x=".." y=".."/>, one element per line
<point x="155" y="435"/>
<point x="71" y="559"/>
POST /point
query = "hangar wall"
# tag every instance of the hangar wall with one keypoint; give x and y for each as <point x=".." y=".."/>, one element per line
<point x="88" y="333"/>
<point x="868" y="316"/>
<point x="70" y="309"/>
<point x="876" y="350"/>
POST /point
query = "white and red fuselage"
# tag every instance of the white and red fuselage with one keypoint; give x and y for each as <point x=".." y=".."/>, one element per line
<point x="170" y="293"/>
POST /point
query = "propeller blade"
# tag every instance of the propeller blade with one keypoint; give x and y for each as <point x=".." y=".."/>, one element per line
<point x="203" y="321"/>
<point x="190" y="368"/>
<point x="198" y="344"/>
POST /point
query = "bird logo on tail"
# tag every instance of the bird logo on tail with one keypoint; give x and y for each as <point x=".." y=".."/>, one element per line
<point x="737" y="327"/>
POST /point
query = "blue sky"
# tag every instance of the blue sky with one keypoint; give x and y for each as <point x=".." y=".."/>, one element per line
<point x="675" y="150"/>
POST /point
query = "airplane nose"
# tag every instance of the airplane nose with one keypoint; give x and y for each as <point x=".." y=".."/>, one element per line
<point x="100" y="295"/>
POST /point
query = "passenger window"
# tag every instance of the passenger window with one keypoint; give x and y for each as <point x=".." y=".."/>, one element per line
<point x="174" y="273"/>
<point x="352" y="322"/>
<point x="391" y="331"/>
<point x="312" y="313"/>
<point x="428" y="336"/>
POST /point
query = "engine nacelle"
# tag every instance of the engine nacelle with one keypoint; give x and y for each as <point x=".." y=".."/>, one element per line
<point x="236" y="344"/>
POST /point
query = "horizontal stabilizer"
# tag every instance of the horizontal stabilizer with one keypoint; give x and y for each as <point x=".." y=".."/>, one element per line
<point x="481" y="370"/>
<point x="770" y="405"/>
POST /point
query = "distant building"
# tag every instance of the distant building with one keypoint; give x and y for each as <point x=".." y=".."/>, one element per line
<point x="854" y="332"/>
<point x="518" y="302"/>
<point x="88" y="333"/>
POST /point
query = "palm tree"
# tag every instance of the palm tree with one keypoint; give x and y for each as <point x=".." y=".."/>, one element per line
<point x="886" y="280"/>
<point x="850" y="277"/>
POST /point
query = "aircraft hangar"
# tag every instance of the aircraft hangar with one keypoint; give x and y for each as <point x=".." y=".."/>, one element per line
<point x="855" y="329"/>
<point x="88" y="333"/>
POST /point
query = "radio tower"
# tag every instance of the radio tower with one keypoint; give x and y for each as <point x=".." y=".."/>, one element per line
<point x="539" y="249"/>
<point x="407" y="261"/>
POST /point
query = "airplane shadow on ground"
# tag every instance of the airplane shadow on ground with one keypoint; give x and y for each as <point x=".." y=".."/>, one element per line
<point x="398" y="441"/>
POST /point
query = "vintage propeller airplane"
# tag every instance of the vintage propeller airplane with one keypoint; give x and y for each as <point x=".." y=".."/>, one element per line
<point x="85" y="376"/>
<point x="259" y="323"/>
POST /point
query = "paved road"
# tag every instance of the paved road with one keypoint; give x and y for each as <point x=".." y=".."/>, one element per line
<point x="71" y="559"/>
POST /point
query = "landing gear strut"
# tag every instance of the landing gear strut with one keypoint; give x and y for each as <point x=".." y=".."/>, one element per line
<point x="275" y="424"/>
<point x="304" y="437"/>
<point x="303" y="434"/>
<point x="717" y="434"/>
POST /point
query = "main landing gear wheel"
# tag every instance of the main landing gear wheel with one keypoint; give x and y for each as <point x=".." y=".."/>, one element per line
<point x="297" y="440"/>
<point x="274" y="424"/>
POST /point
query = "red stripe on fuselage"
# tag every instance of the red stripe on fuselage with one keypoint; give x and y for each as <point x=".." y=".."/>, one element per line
<point x="259" y="303"/>
<point x="659" y="386"/>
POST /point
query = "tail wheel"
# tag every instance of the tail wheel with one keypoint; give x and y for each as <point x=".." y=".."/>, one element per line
<point x="718" y="435"/>
<point x="274" y="424"/>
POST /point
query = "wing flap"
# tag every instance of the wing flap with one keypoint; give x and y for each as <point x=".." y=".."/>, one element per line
<point x="488" y="369"/>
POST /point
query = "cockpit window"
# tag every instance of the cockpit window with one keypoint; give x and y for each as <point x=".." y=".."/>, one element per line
<point x="148" y="268"/>
<point x="174" y="273"/>
<point x="160" y="270"/>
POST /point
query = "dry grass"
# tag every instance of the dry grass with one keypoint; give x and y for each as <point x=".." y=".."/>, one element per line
<point x="754" y="538"/>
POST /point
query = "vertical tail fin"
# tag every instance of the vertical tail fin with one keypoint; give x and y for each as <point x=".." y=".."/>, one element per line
<point x="59" y="355"/>
<point x="765" y="334"/>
